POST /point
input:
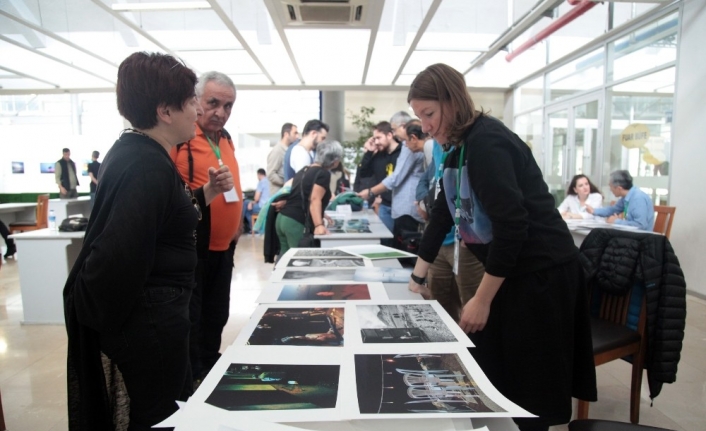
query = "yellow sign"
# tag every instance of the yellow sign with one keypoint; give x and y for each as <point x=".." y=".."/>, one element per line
<point x="635" y="135"/>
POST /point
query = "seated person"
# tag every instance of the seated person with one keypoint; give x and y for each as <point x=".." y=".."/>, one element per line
<point x="262" y="194"/>
<point x="581" y="192"/>
<point x="633" y="208"/>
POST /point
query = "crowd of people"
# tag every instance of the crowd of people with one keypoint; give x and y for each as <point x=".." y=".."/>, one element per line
<point x="494" y="251"/>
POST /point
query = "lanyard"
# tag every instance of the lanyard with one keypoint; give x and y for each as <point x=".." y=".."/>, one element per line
<point x="216" y="150"/>
<point x="459" y="177"/>
<point x="625" y="210"/>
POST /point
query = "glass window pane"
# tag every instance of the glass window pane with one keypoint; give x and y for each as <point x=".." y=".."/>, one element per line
<point x="645" y="48"/>
<point x="530" y="95"/>
<point x="581" y="74"/>
<point x="529" y="128"/>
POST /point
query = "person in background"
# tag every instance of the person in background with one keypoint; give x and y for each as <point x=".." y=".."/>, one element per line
<point x="93" y="168"/>
<point x="380" y="156"/>
<point x="340" y="179"/>
<point x="127" y="296"/>
<point x="310" y="190"/>
<point x="212" y="147"/>
<point x="633" y="208"/>
<point x="275" y="159"/>
<point x="529" y="318"/>
<point x="452" y="289"/>
<point x="262" y="194"/>
<point x="65" y="175"/>
<point x="398" y="122"/>
<point x="11" y="248"/>
<point x="403" y="184"/>
<point x="302" y="154"/>
<point x="580" y="194"/>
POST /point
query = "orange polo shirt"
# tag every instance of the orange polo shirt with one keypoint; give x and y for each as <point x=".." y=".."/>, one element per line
<point x="225" y="216"/>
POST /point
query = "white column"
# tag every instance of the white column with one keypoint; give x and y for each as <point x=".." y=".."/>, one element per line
<point x="333" y="112"/>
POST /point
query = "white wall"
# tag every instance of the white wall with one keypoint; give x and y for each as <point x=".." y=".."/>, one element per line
<point x="689" y="150"/>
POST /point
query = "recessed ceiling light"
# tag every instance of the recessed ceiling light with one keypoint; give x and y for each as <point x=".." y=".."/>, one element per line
<point x="146" y="7"/>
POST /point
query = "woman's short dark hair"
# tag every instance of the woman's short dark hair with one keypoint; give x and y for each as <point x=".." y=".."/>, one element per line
<point x="444" y="84"/>
<point x="414" y="128"/>
<point x="149" y="80"/>
<point x="575" y="179"/>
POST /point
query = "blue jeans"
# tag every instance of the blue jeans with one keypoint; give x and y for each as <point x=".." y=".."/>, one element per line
<point x="385" y="214"/>
<point x="248" y="213"/>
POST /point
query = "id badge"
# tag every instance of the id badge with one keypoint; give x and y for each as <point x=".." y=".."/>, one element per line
<point x="457" y="250"/>
<point x="231" y="196"/>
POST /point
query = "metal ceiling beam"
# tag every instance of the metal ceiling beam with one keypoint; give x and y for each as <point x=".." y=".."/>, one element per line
<point x="51" y="57"/>
<point x="285" y="41"/>
<point x="374" y="26"/>
<point x="24" y="75"/>
<point x="23" y="10"/>
<point x="138" y="29"/>
<point x="422" y="29"/>
<point x="56" y="37"/>
<point x="229" y="23"/>
<point x="512" y="33"/>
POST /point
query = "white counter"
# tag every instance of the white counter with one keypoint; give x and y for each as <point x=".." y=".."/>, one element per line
<point x="45" y="258"/>
<point x="63" y="208"/>
<point x="18" y="211"/>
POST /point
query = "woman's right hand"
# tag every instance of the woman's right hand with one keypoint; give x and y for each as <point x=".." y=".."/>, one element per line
<point x="320" y="230"/>
<point x="420" y="289"/>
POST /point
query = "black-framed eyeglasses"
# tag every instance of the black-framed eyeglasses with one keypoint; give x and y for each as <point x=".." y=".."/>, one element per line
<point x="194" y="201"/>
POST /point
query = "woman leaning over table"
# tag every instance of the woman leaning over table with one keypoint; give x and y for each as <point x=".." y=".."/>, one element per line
<point x="581" y="192"/>
<point x="311" y="188"/>
<point x="529" y="318"/>
<point x="127" y="296"/>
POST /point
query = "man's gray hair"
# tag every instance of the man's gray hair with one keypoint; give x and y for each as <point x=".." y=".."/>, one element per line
<point x="622" y="179"/>
<point x="400" y="119"/>
<point x="217" y="77"/>
<point x="328" y="152"/>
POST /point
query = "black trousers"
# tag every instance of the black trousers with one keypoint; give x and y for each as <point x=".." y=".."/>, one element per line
<point x="209" y="309"/>
<point x="5" y="232"/>
<point x="151" y="352"/>
<point x="404" y="224"/>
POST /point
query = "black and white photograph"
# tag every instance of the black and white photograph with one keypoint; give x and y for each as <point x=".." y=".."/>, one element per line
<point x="408" y="323"/>
<point x="251" y="387"/>
<point x="299" y="327"/>
<point x="321" y="252"/>
<point x="326" y="263"/>
<point x="417" y="384"/>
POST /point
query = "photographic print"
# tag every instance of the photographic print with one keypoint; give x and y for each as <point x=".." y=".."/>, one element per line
<point x="250" y="386"/>
<point x="376" y="251"/>
<point x="299" y="327"/>
<point x="385" y="275"/>
<point x="313" y="274"/>
<point x="325" y="292"/>
<point x="18" y="167"/>
<point x="349" y="226"/>
<point x="46" y="168"/>
<point x="321" y="252"/>
<point x="326" y="263"/>
<point x="417" y="384"/>
<point x="408" y="323"/>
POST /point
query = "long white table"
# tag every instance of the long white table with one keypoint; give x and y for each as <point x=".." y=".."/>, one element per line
<point x="12" y="212"/>
<point x="581" y="228"/>
<point x="378" y="231"/>
<point x="63" y="208"/>
<point x="45" y="258"/>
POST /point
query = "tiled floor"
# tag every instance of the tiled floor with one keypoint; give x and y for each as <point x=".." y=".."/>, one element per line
<point x="33" y="358"/>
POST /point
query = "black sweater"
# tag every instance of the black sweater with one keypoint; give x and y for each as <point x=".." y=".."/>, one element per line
<point x="378" y="166"/>
<point x="508" y="217"/>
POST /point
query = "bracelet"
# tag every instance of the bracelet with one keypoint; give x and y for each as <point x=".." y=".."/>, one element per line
<point x="418" y="280"/>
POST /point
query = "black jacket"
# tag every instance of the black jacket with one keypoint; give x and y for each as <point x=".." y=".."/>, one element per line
<point x="378" y="166"/>
<point x="615" y="259"/>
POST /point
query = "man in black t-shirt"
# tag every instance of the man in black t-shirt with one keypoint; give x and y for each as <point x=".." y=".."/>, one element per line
<point x="93" y="168"/>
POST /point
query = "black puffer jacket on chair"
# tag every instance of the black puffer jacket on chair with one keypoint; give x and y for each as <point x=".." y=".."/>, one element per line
<point x="615" y="259"/>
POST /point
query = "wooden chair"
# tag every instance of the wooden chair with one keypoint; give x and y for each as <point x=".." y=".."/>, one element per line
<point x="41" y="220"/>
<point x="664" y="216"/>
<point x="612" y="340"/>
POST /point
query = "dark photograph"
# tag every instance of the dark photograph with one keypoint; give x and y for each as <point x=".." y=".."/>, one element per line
<point x="325" y="292"/>
<point x="421" y="383"/>
<point x="299" y="327"/>
<point x="276" y="387"/>
<point x="413" y="323"/>
<point x="326" y="263"/>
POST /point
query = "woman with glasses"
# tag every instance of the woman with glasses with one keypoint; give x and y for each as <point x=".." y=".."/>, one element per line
<point x="126" y="300"/>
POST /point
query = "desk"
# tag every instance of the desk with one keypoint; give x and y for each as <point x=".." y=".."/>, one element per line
<point x="45" y="260"/>
<point x="581" y="228"/>
<point x="63" y="208"/>
<point x="378" y="231"/>
<point x="17" y="211"/>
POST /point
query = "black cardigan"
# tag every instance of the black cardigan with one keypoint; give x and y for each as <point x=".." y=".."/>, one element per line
<point x="614" y="259"/>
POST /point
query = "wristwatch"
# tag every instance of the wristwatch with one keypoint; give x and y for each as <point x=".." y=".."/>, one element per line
<point x="418" y="280"/>
<point x="371" y="194"/>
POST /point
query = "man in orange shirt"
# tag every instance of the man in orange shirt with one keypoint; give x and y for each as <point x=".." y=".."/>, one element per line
<point x="212" y="146"/>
